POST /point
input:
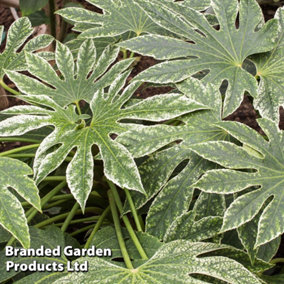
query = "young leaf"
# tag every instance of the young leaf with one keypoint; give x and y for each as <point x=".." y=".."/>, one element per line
<point x="221" y="52"/>
<point x="162" y="267"/>
<point x="267" y="174"/>
<point x="71" y="131"/>
<point x="18" y="33"/>
<point x="14" y="174"/>
<point x="118" y="18"/>
<point x="77" y="82"/>
<point x="271" y="71"/>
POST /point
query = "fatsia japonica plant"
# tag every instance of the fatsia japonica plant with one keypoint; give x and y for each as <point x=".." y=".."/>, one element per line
<point x="178" y="193"/>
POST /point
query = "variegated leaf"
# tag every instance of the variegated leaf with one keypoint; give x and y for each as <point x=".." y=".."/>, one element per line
<point x="271" y="71"/>
<point x="221" y="53"/>
<point x="185" y="227"/>
<point x="198" y="126"/>
<point x="18" y="33"/>
<point x="14" y="174"/>
<point x="73" y="132"/>
<point x="118" y="18"/>
<point x="265" y="165"/>
<point x="50" y="238"/>
<point x="247" y="234"/>
<point x="174" y="199"/>
<point x="79" y="80"/>
<point x="175" y="262"/>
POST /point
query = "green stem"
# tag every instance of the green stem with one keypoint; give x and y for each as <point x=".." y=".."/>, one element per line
<point x="30" y="155"/>
<point x="32" y="211"/>
<point x="96" y="228"/>
<point x="20" y="149"/>
<point x="52" y="18"/>
<point x="19" y="156"/>
<point x="53" y="204"/>
<point x="55" y="178"/>
<point x="133" y="210"/>
<point x="70" y="217"/>
<point x="277" y="260"/>
<point x="127" y="222"/>
<point x="81" y="230"/>
<point x="118" y="231"/>
<point x="61" y="197"/>
<point x="76" y="221"/>
<point x="64" y="215"/>
<point x="131" y="54"/>
<point x="124" y="52"/>
<point x="78" y="107"/>
<point x="18" y="139"/>
<point x="7" y="88"/>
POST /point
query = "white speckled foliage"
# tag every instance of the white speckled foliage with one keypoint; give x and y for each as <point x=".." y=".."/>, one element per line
<point x="220" y="53"/>
<point x="14" y="174"/>
<point x="270" y="69"/>
<point x="119" y="17"/>
<point x="72" y="131"/>
<point x="178" y="193"/>
<point x="18" y="33"/>
<point x="264" y="164"/>
<point x="173" y="200"/>
<point x="172" y="263"/>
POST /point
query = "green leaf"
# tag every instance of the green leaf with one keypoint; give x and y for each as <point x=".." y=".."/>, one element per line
<point x="270" y="70"/>
<point x="71" y="132"/>
<point x="248" y="233"/>
<point x="174" y="199"/>
<point x="209" y="204"/>
<point x="106" y="238"/>
<point x="38" y="18"/>
<point x="186" y="228"/>
<point x="220" y="52"/>
<point x="18" y="33"/>
<point x="30" y="6"/>
<point x="75" y="85"/>
<point x="266" y="172"/>
<point x="197" y="4"/>
<point x="118" y="18"/>
<point x="14" y="174"/>
<point x="198" y="126"/>
<point x="50" y="238"/>
<point x="275" y="279"/>
<point x="174" y="262"/>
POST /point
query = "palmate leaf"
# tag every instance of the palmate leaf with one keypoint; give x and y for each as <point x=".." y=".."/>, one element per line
<point x="50" y="238"/>
<point x="247" y="234"/>
<point x="18" y="33"/>
<point x="185" y="227"/>
<point x="271" y="71"/>
<point x="266" y="159"/>
<point x="197" y="4"/>
<point x="14" y="174"/>
<point x="174" y="262"/>
<point x="221" y="52"/>
<point x="118" y="18"/>
<point x="175" y="197"/>
<point x="71" y="132"/>
<point x="77" y="82"/>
